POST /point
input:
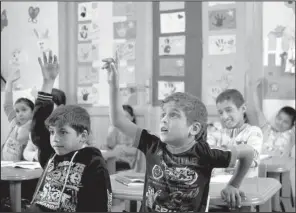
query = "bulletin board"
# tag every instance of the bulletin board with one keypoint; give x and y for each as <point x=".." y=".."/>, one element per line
<point x="177" y="49"/>
<point x="105" y="29"/>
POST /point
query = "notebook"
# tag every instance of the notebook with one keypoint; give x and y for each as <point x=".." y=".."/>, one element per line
<point x="132" y="179"/>
<point x="21" y="164"/>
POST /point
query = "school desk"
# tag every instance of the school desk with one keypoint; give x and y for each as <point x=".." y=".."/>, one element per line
<point x="15" y="176"/>
<point x="279" y="169"/>
<point x="259" y="192"/>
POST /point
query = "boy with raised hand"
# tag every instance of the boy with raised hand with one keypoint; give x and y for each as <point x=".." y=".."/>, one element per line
<point x="180" y="162"/>
<point x="75" y="176"/>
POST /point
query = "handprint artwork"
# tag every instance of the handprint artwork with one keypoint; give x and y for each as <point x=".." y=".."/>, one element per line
<point x="83" y="32"/>
<point x="87" y="95"/>
<point x="222" y="19"/>
<point x="222" y="44"/>
<point x="84" y="51"/>
<point x="172" y="45"/>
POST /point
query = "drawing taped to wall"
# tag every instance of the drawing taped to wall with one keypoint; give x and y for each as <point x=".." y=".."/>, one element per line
<point x="87" y="75"/>
<point x="172" y="22"/>
<point x="125" y="50"/>
<point x="84" y="32"/>
<point x="166" y="88"/>
<point x="222" y="44"/>
<point x="222" y="19"/>
<point x="43" y="41"/>
<point x="124" y="9"/>
<point x="84" y="52"/>
<point x="84" y="11"/>
<point x="176" y="5"/>
<point x="172" y="45"/>
<point x="4" y="20"/>
<point x="171" y="67"/>
<point x="125" y="30"/>
<point x="33" y="13"/>
<point x="87" y="95"/>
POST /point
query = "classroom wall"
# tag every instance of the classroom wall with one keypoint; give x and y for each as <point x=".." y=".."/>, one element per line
<point x="20" y="46"/>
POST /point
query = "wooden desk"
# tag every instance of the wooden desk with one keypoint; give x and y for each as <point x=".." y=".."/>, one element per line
<point x="279" y="169"/>
<point x="15" y="176"/>
<point x="258" y="191"/>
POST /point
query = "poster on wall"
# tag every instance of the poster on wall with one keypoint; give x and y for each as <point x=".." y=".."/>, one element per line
<point x="87" y="95"/>
<point x="84" y="11"/>
<point x="166" y="88"/>
<point x="124" y="9"/>
<point x="222" y="19"/>
<point x="88" y="75"/>
<point x="172" y="45"/>
<point x="84" y="32"/>
<point x="125" y="30"/>
<point x="222" y="44"/>
<point x="171" y="66"/>
<point x="84" y="52"/>
<point x="126" y="50"/>
<point x="172" y="22"/>
<point x="174" y="5"/>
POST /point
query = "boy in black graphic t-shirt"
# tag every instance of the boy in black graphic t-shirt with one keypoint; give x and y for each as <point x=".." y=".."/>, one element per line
<point x="75" y="177"/>
<point x="180" y="162"/>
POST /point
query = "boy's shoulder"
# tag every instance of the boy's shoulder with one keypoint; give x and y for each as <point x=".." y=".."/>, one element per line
<point x="91" y="156"/>
<point x="251" y="130"/>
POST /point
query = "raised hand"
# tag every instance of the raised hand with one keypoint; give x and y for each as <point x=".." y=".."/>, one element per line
<point x="13" y="76"/>
<point x="110" y="65"/>
<point x="49" y="66"/>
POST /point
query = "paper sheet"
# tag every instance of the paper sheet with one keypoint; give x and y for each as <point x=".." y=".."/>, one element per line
<point x="171" y="66"/>
<point x="172" y="45"/>
<point x="166" y="88"/>
<point x="172" y="22"/>
<point x="174" y="5"/>
<point x="222" y="44"/>
<point x="84" y="32"/>
<point x="222" y="19"/>
<point x="125" y="30"/>
<point x="84" y="52"/>
<point x="84" y="11"/>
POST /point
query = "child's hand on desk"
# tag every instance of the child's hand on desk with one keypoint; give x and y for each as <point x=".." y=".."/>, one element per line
<point x="233" y="196"/>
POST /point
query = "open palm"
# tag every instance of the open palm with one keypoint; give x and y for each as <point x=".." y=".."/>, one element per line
<point x="49" y="66"/>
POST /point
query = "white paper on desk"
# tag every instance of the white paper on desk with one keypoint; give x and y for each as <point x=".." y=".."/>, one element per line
<point x="27" y="165"/>
<point x="221" y="179"/>
<point x="6" y="163"/>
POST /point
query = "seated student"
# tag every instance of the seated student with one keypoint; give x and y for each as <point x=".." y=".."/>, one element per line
<point x="277" y="136"/>
<point x="232" y="111"/>
<point x="120" y="145"/>
<point x="31" y="151"/>
<point x="180" y="162"/>
<point x="19" y="116"/>
<point x="75" y="177"/>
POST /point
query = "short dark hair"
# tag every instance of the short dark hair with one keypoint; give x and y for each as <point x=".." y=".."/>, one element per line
<point x="232" y="95"/>
<point x="58" y="97"/>
<point x="290" y="111"/>
<point x="130" y="111"/>
<point x="75" y="116"/>
<point x="194" y="109"/>
<point x="26" y="101"/>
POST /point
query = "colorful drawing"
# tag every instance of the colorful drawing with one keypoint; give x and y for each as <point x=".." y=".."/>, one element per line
<point x="87" y="95"/>
<point x="171" y="66"/>
<point x="125" y="30"/>
<point x="214" y="3"/>
<point x="33" y="13"/>
<point x="166" y="88"/>
<point x="43" y="42"/>
<point x="84" y="32"/>
<point x="126" y="50"/>
<point x="163" y="5"/>
<point x="4" y="20"/>
<point x="222" y="44"/>
<point x="222" y="19"/>
<point x="84" y="11"/>
<point x="84" y="52"/>
<point x="172" y="45"/>
<point x="87" y="75"/>
<point x="172" y="22"/>
<point x="124" y="8"/>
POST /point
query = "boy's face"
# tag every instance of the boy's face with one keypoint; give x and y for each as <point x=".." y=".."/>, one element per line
<point x="65" y="139"/>
<point x="283" y="122"/>
<point x="230" y="115"/>
<point x="174" y="129"/>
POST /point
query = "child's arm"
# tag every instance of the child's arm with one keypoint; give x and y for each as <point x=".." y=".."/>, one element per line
<point x="117" y="117"/>
<point x="30" y="152"/>
<point x="8" y="97"/>
<point x="112" y="137"/>
<point x="43" y="108"/>
<point x="255" y="140"/>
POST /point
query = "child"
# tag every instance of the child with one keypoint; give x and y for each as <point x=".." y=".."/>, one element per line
<point x="180" y="162"/>
<point x="278" y="136"/>
<point x="232" y="111"/>
<point x="75" y="176"/>
<point x="120" y="145"/>
<point x="31" y="151"/>
<point x="19" y="116"/>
